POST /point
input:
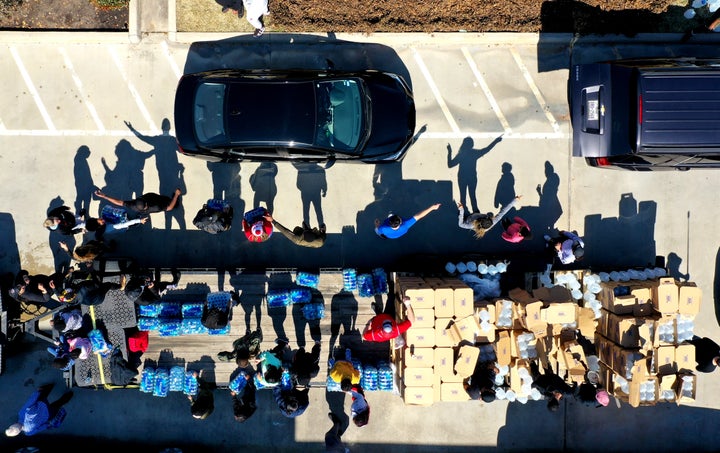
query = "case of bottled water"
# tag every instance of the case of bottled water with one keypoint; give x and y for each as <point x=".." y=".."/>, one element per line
<point x="192" y="326"/>
<point x="99" y="345"/>
<point x="300" y="295"/>
<point x="386" y="377"/>
<point x="380" y="284"/>
<point x="146" y="323"/>
<point x="307" y="279"/>
<point x="162" y="382"/>
<point x="238" y="384"/>
<point x="190" y="385"/>
<point x="147" y="380"/>
<point x="170" y="310"/>
<point x="150" y="310"/>
<point x="349" y="279"/>
<point x="193" y="310"/>
<point x="177" y="378"/>
<point x="313" y="310"/>
<point x="169" y="327"/>
<point x="278" y="298"/>
<point x="365" y="285"/>
<point x="369" y="378"/>
<point x="113" y="214"/>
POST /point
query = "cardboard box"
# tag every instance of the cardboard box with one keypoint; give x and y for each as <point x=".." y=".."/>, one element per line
<point x="465" y="329"/>
<point x="665" y="295"/>
<point x="559" y="313"/>
<point x="486" y="334"/>
<point x="420" y="337"/>
<point x="621" y="329"/>
<point x="424" y="317"/>
<point x="665" y="329"/>
<point x="666" y="392"/>
<point x="503" y="347"/>
<point x="684" y="395"/>
<point x="442" y="335"/>
<point x="418" y="396"/>
<point x="502" y="308"/>
<point x="515" y="336"/>
<point x="453" y="391"/>
<point x="463" y="300"/>
<point x="516" y="381"/>
<point x="636" y="398"/>
<point x="586" y="322"/>
<point x="419" y="377"/>
<point x="419" y="357"/>
<point x="444" y="362"/>
<point x="574" y="361"/>
<point x="437" y="396"/>
<point x="689" y="299"/>
<point x="444" y="299"/>
<point x="685" y="358"/>
<point x="620" y="305"/>
<point x="420" y="294"/>
<point x="643" y="300"/>
<point x="664" y="360"/>
<point x="532" y="320"/>
<point x="466" y="361"/>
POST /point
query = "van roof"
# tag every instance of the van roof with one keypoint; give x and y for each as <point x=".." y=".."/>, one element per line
<point x="680" y="109"/>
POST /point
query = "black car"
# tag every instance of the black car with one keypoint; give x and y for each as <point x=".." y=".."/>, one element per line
<point x="646" y="114"/>
<point x="295" y="115"/>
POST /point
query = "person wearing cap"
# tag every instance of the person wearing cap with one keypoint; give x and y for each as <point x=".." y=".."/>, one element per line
<point x="383" y="327"/>
<point x="481" y="385"/>
<point x="257" y="225"/>
<point x="38" y="414"/>
<point x="568" y="247"/>
<point x="707" y="354"/>
<point x="395" y="226"/>
<point x="550" y="385"/>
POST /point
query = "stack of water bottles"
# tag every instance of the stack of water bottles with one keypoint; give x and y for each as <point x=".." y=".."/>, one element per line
<point x="162" y="382"/>
<point x="277" y="298"/>
<point x="385" y="377"/>
<point x="177" y="378"/>
<point x="147" y="380"/>
<point x="238" y="384"/>
<point x="300" y="295"/>
<point x="313" y="310"/>
<point x="380" y="284"/>
<point x="190" y="385"/>
<point x="365" y="285"/>
<point x="99" y="345"/>
<point x="307" y="279"/>
<point x="113" y="215"/>
<point x="369" y="378"/>
<point x="349" y="279"/>
<point x="218" y="205"/>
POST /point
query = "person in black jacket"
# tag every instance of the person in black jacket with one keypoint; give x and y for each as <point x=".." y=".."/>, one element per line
<point x="305" y="366"/>
<point x="551" y="386"/>
<point x="64" y="221"/>
<point x="707" y="354"/>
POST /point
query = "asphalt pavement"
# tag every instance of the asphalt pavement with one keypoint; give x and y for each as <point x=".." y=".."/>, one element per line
<point x="626" y="218"/>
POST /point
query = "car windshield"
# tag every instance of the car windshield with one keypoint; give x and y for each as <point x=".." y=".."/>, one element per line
<point x="208" y="113"/>
<point x="340" y="114"/>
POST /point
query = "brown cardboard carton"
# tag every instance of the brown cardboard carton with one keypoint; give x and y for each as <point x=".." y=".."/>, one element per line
<point x="666" y="392"/>
<point x="419" y="377"/>
<point x="444" y="362"/>
<point x="531" y="319"/>
<point x="453" y="391"/>
<point x="419" y="357"/>
<point x="420" y="337"/>
<point x="503" y="307"/>
<point x="685" y="387"/>
<point x="442" y="335"/>
<point x="645" y="329"/>
<point x="559" y="313"/>
<point x="643" y="300"/>
<point x="444" y="302"/>
<point x="418" y="396"/>
<point x="689" y="299"/>
<point x="685" y="358"/>
<point x="503" y="347"/>
<point x="463" y="300"/>
<point x="586" y="322"/>
<point x="666" y="295"/>
<point x="466" y="361"/>
<point x="635" y="396"/>
<point x="486" y="333"/>
<point x="621" y="329"/>
<point x="621" y="305"/>
<point x="516" y="381"/>
<point x="465" y="329"/>
<point x="574" y="361"/>
<point x="420" y="294"/>
<point x="424" y="317"/>
<point x="664" y="360"/>
<point x="437" y="396"/>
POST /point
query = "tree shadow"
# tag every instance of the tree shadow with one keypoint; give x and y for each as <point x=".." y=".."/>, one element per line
<point x="84" y="185"/>
<point x="312" y="183"/>
<point x="262" y="182"/>
<point x="466" y="161"/>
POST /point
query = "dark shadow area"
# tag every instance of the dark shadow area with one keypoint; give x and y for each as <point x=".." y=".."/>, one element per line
<point x="170" y="171"/>
<point x="673" y="266"/>
<point x="312" y="183"/>
<point x="631" y="235"/>
<point x="302" y="324"/>
<point x="125" y="180"/>
<point x="467" y="173"/>
<point x="84" y="185"/>
<point x="262" y="182"/>
<point x="278" y="282"/>
<point x="226" y="186"/>
<point x="343" y="313"/>
<point x="293" y="51"/>
<point x="549" y="203"/>
<point x="505" y="188"/>
<point x="716" y="287"/>
<point x="251" y="295"/>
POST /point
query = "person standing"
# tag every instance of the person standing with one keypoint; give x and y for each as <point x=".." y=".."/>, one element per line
<point x="481" y="223"/>
<point x="303" y="236"/>
<point x="707" y="354"/>
<point x="148" y="203"/>
<point x="64" y="221"/>
<point x="38" y="414"/>
<point x="202" y="404"/>
<point x="255" y="10"/>
<point x="568" y="246"/>
<point x="360" y="409"/>
<point x="344" y="373"/>
<point x="516" y="230"/>
<point x="305" y="365"/>
<point x="395" y="226"/>
<point x="257" y="225"/>
<point x="383" y="327"/>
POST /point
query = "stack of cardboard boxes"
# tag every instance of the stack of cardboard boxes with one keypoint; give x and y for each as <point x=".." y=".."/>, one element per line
<point x="642" y="338"/>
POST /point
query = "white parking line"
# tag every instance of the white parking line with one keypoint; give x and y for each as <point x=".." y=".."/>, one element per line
<point x="36" y="96"/>
<point x="534" y="88"/>
<point x="81" y="89"/>
<point x="173" y="64"/>
<point x="484" y="135"/>
<point x="486" y="89"/>
<point x="133" y="92"/>
<point x="435" y="91"/>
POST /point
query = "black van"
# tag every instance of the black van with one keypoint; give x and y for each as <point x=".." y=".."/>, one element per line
<point x="647" y="114"/>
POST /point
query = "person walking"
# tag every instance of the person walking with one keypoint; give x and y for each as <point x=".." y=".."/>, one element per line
<point x="360" y="409"/>
<point x="395" y="226"/>
<point x="383" y="327"/>
<point x="516" y="230"/>
<point x="303" y="236"/>
<point x="344" y="373"/>
<point x="257" y="224"/>
<point x="482" y="223"/>
<point x="62" y="220"/>
<point x="567" y="246"/>
<point x="38" y="414"/>
<point x="255" y="10"/>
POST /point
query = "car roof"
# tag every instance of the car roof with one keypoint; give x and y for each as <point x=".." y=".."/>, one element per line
<point x="262" y="111"/>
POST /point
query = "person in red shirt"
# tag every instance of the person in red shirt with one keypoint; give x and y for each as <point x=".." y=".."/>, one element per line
<point x="257" y="225"/>
<point x="383" y="327"/>
<point x="515" y="230"/>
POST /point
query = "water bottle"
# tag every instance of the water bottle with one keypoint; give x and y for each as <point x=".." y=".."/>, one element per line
<point x="286" y="380"/>
<point x="192" y="310"/>
<point x="349" y="279"/>
<point x="147" y="380"/>
<point x="278" y="298"/>
<point x="98" y="342"/>
<point x="300" y="295"/>
<point x="365" y="285"/>
<point x="162" y="382"/>
<point x="699" y="3"/>
<point x="190" y="386"/>
<point x="177" y="378"/>
<point x="238" y="384"/>
<point x="461" y="267"/>
<point x="380" y="285"/>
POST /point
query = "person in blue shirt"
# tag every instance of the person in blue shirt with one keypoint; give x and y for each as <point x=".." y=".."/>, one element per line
<point x="395" y="226"/>
<point x="38" y="414"/>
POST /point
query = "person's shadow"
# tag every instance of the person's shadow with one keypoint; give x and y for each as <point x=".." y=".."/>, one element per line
<point x="301" y="322"/>
<point x="126" y="181"/>
<point x="505" y="188"/>
<point x="549" y="204"/>
<point x="262" y="182"/>
<point x="170" y="171"/>
<point x="84" y="186"/>
<point x="312" y="184"/>
<point x="466" y="161"/>
<point x="343" y="313"/>
<point x="673" y="265"/>
<point x="279" y="281"/>
<point x="226" y="183"/>
<point x="251" y="294"/>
